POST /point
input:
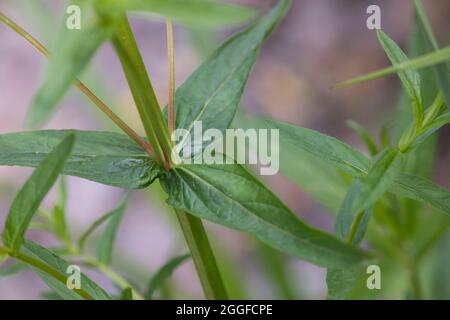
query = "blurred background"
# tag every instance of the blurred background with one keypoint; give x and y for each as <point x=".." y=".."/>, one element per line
<point x="319" y="43"/>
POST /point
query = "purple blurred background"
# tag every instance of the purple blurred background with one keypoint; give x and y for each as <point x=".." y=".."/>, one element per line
<point x="318" y="44"/>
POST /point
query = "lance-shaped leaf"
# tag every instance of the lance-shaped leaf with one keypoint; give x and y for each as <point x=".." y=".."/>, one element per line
<point x="318" y="178"/>
<point x="323" y="147"/>
<point x="108" y="158"/>
<point x="441" y="70"/>
<point x="378" y="181"/>
<point x="97" y="223"/>
<point x="410" y="78"/>
<point x="229" y="195"/>
<point x="212" y="93"/>
<point x="421" y="189"/>
<point x="105" y="243"/>
<point x="164" y="274"/>
<point x="350" y="226"/>
<point x="354" y="216"/>
<point x="90" y="290"/>
<point x="203" y="13"/>
<point x="33" y="192"/>
<point x="58" y="217"/>
<point x="422" y="61"/>
<point x="365" y="137"/>
<point x="72" y="54"/>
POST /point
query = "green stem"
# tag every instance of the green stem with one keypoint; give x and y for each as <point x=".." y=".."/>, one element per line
<point x="143" y="93"/>
<point x="114" y="276"/>
<point x="202" y="255"/>
<point x="158" y="135"/>
<point x="44" y="268"/>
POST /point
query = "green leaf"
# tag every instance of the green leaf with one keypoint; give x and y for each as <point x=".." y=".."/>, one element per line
<point x="12" y="269"/>
<point x="422" y="61"/>
<point x="108" y="158"/>
<point x="354" y="217"/>
<point x="73" y="51"/>
<point x="61" y="266"/>
<point x="323" y="147"/>
<point x="126" y="294"/>
<point x="105" y="243"/>
<point x="229" y="195"/>
<point x="316" y="177"/>
<point x="441" y="70"/>
<point x="364" y="136"/>
<point x="378" y="181"/>
<point x="163" y="274"/>
<point x="94" y="226"/>
<point x="212" y="93"/>
<point x="423" y="190"/>
<point x="410" y="78"/>
<point x="59" y="213"/>
<point x="350" y="226"/>
<point x="420" y="160"/>
<point x="33" y="192"/>
<point x="201" y="13"/>
<point x="431" y="128"/>
<point x="441" y="271"/>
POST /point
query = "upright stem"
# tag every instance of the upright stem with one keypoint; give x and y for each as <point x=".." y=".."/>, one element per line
<point x="171" y="58"/>
<point x="202" y="255"/>
<point x="143" y="93"/>
<point x="158" y="135"/>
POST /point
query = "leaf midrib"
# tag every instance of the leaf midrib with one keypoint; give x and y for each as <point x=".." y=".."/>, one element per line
<point x="217" y="90"/>
<point x="302" y="240"/>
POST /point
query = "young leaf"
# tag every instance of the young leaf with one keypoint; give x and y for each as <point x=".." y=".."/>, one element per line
<point x="323" y="147"/>
<point x="441" y="70"/>
<point x="59" y="213"/>
<point x="350" y="226"/>
<point x="33" y="192"/>
<point x="420" y="160"/>
<point x="104" y="157"/>
<point x="410" y="79"/>
<point x="364" y="136"/>
<point x="378" y="180"/>
<point x="229" y="195"/>
<point x="423" y="190"/>
<point x="431" y="128"/>
<point x="212" y="93"/>
<point x="201" y="13"/>
<point x="105" y="243"/>
<point x="422" y="61"/>
<point x="74" y="50"/>
<point x="61" y="267"/>
<point x="163" y="274"/>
